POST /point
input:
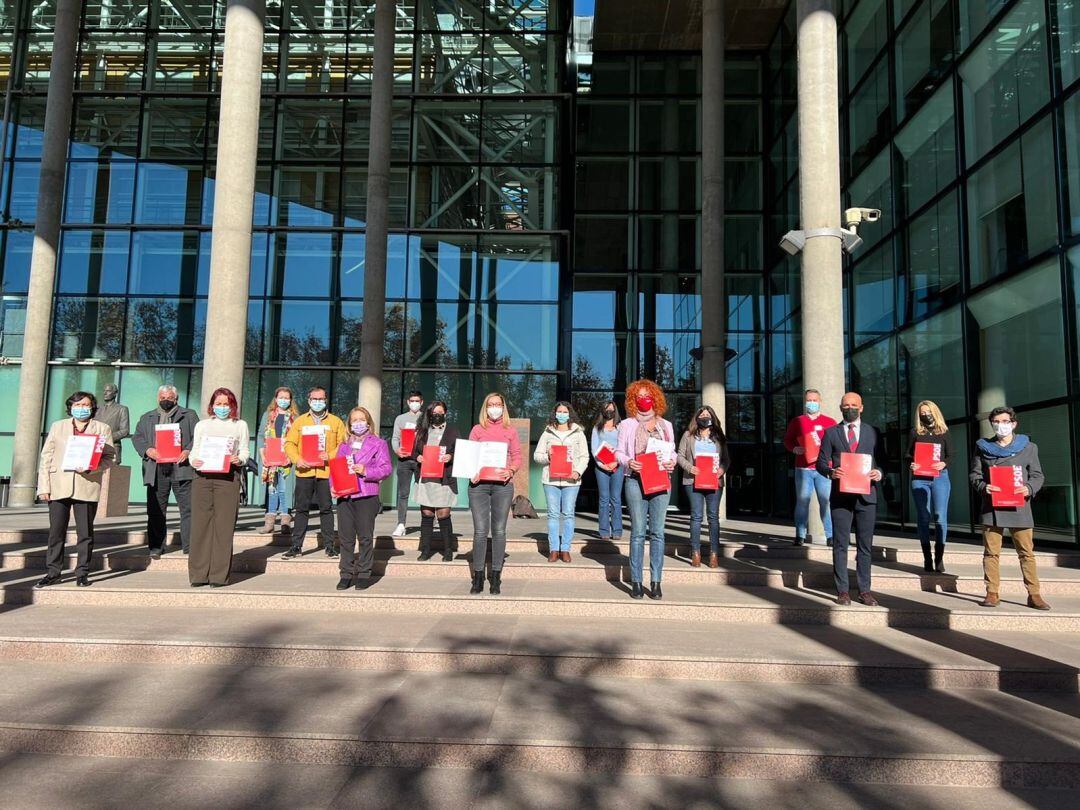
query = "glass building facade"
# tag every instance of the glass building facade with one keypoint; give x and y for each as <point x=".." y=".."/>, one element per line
<point x="545" y="217"/>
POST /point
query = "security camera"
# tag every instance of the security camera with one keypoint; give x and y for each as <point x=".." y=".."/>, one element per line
<point x="792" y="242"/>
<point x="853" y="216"/>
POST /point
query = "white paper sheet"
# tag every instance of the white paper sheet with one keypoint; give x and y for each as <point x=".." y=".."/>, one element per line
<point x="471" y="457"/>
<point x="77" y="454"/>
<point x="665" y="451"/>
<point x="215" y="453"/>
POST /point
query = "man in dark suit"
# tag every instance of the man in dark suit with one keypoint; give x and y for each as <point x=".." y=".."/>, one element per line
<point x="160" y="479"/>
<point x="851" y="436"/>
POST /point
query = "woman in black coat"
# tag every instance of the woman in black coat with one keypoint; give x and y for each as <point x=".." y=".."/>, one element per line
<point x="436" y="496"/>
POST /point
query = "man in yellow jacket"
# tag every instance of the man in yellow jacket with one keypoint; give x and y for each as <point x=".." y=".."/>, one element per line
<point x="313" y="477"/>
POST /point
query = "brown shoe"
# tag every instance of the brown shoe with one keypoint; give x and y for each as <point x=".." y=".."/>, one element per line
<point x="991" y="600"/>
<point x="695" y="559"/>
<point x="868" y="599"/>
<point x="565" y="556"/>
<point x="553" y="556"/>
<point x="268" y="524"/>
<point x="714" y="561"/>
<point x="843" y="599"/>
<point x="1036" y="601"/>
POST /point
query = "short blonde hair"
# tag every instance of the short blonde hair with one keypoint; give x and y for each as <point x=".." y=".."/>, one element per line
<point x="484" y="421"/>
<point x="939" y="420"/>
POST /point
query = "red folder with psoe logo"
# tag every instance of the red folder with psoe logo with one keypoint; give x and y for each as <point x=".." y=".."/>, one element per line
<point x="1007" y="478"/>
<point x="856" y="478"/>
<point x="653" y="479"/>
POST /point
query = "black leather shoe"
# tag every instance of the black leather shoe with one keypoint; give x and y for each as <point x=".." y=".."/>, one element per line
<point x="636" y="591"/>
<point x="344" y="583"/>
<point x="331" y="551"/>
<point x="798" y="541"/>
<point x="46" y="581"/>
<point x="199" y="584"/>
<point x="496" y="583"/>
<point x="155" y="554"/>
<point x="828" y="542"/>
<point x="477" y="582"/>
<point x="292" y="552"/>
<point x="363" y="584"/>
<point x="654" y="591"/>
<point x="448" y="556"/>
<point x="425" y="556"/>
<point x="83" y="581"/>
<point x="218" y="584"/>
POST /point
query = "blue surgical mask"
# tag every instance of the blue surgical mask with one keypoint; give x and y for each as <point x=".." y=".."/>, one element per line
<point x="222" y="411"/>
<point x="562" y="418"/>
<point x="81" y="412"/>
<point x="813" y="407"/>
<point x="317" y="405"/>
<point x="284" y="403"/>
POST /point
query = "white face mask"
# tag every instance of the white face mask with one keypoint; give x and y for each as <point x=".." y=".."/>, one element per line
<point x="495" y="413"/>
<point x="414" y="407"/>
<point x="1003" y="429"/>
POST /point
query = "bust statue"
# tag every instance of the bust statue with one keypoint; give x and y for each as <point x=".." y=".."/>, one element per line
<point x="115" y="415"/>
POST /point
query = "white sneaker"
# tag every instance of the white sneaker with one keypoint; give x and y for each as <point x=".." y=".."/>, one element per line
<point x="400" y="530"/>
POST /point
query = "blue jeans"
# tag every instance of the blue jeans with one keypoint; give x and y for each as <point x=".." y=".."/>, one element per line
<point x="807" y="482"/>
<point x="279" y="494"/>
<point x="932" y="497"/>
<point x="560" y="515"/>
<point x="702" y="500"/>
<point x="610" y="487"/>
<point x="651" y="508"/>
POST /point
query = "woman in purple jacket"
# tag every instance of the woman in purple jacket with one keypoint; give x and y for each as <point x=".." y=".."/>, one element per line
<point x="369" y="459"/>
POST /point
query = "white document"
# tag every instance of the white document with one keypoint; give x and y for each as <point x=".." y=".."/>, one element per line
<point x="665" y="451"/>
<point x="215" y="453"/>
<point x="78" y="453"/>
<point x="470" y="457"/>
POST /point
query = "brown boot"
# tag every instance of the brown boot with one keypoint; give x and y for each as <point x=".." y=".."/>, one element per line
<point x="1036" y="601"/>
<point x="991" y="600"/>
<point x="565" y="556"/>
<point x="553" y="556"/>
<point x="714" y="561"/>
<point x="268" y="524"/>
<point x="695" y="559"/>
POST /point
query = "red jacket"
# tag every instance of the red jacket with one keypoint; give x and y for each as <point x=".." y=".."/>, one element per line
<point x="803" y="425"/>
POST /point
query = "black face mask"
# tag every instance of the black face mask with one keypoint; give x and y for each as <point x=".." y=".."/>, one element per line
<point x="850" y="414"/>
<point x="926" y="419"/>
<point x="438" y="418"/>
<point x="609" y="414"/>
<point x="166" y="404"/>
<point x="704" y="422"/>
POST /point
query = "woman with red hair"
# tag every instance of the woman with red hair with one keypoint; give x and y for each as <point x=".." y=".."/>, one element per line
<point x="215" y="492"/>
<point x="645" y="431"/>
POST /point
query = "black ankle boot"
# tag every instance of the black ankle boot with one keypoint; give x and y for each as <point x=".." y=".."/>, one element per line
<point x="496" y="583"/>
<point x="477" y="582"/>
<point x="927" y="560"/>
<point x="939" y="557"/>
<point x="654" y="591"/>
<point x="636" y="591"/>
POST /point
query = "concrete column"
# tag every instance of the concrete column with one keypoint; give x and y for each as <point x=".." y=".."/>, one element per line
<point x="713" y="302"/>
<point x="234" y="196"/>
<point x="378" y="212"/>
<point x="819" y="193"/>
<point x="39" y="300"/>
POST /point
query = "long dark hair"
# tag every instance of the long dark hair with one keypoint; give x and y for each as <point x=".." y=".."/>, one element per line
<point x="716" y="432"/>
<point x="600" y="418"/>
<point x="425" y="422"/>
<point x="562" y="403"/>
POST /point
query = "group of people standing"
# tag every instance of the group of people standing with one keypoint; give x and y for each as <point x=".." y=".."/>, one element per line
<point x="633" y="460"/>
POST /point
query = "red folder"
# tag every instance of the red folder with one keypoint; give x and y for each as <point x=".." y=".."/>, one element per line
<point x="1008" y="478"/>
<point x="653" y="479"/>
<point x="492" y="474"/>
<point x="605" y="455"/>
<point x="167" y="444"/>
<point x="274" y="453"/>
<point x="559" y="467"/>
<point x="430" y="466"/>
<point x="408" y="440"/>
<point x="343" y="481"/>
<point x="856" y="467"/>
<point x="99" y="448"/>
<point x="708" y="477"/>
<point x="927" y="453"/>
<point x="811" y="443"/>
<point x="311" y="445"/>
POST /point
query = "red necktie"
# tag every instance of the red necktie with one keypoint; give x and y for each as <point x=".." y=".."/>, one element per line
<point x="852" y="442"/>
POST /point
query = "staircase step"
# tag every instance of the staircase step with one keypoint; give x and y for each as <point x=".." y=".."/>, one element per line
<point x="524" y="722"/>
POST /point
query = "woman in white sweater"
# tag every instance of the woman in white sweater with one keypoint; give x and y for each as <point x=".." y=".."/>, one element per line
<point x="215" y="492"/>
<point x="562" y="486"/>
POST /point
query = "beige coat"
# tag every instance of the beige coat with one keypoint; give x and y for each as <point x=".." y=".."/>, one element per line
<point x="574" y="438"/>
<point x="57" y="483"/>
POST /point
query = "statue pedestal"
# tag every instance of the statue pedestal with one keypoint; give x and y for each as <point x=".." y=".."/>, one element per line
<point x="521" y="477"/>
<point x="115" y="486"/>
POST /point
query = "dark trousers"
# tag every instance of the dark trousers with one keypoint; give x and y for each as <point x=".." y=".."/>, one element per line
<point x="59" y="516"/>
<point x="309" y="490"/>
<point x="850" y="511"/>
<point x="406" y="472"/>
<point x="215" y="500"/>
<point x="356" y="517"/>
<point x="490" y="506"/>
<point x="157" y="507"/>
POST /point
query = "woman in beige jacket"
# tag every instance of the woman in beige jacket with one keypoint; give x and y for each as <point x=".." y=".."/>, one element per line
<point x="562" y="429"/>
<point x="72" y="490"/>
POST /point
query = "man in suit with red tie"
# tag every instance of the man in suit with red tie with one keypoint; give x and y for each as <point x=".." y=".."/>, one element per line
<point x="851" y="436"/>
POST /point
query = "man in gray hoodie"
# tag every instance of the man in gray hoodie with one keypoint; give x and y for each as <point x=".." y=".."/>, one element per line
<point x="406" y="469"/>
<point x="1008" y="449"/>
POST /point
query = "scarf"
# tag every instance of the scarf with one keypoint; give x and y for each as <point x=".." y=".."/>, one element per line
<point x="990" y="448"/>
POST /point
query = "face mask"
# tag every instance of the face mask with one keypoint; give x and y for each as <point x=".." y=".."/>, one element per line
<point x="704" y="422"/>
<point x="317" y="405"/>
<point x="359" y="428"/>
<point x="609" y="414"/>
<point x="438" y="418"/>
<point x="81" y="412"/>
<point x="850" y="414"/>
<point x="926" y="419"/>
<point x="1003" y="429"/>
<point x="167" y="404"/>
<point x="222" y="411"/>
<point x="495" y="413"/>
<point x="813" y="407"/>
<point x="414" y="407"/>
<point x="644" y="404"/>
<point x="284" y="403"/>
<point x="562" y="418"/>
